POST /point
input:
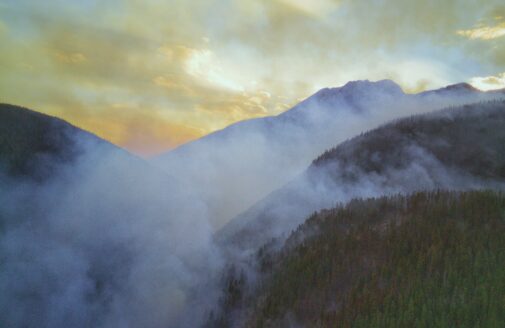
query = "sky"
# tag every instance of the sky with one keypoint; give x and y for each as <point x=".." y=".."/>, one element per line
<point x="149" y="75"/>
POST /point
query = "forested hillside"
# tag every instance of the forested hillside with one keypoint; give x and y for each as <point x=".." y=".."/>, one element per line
<point x="458" y="148"/>
<point x="470" y="138"/>
<point x="431" y="259"/>
<point x="34" y="145"/>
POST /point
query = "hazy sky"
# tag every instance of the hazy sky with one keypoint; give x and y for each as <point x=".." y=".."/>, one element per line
<point x="151" y="74"/>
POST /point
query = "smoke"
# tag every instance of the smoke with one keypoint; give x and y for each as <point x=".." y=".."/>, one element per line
<point x="455" y="149"/>
<point x="460" y="148"/>
<point x="234" y="168"/>
<point x="107" y="241"/>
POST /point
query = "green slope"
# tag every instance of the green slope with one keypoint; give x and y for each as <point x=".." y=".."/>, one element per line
<point x="433" y="259"/>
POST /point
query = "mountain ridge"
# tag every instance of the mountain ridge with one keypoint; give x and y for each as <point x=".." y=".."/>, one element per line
<point x="265" y="153"/>
<point x="35" y="144"/>
<point x="407" y="154"/>
<point x="328" y="91"/>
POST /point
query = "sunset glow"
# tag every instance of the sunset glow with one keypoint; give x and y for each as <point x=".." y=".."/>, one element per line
<point x="150" y="75"/>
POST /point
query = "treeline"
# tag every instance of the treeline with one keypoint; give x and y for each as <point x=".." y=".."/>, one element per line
<point x="470" y="137"/>
<point x="431" y="259"/>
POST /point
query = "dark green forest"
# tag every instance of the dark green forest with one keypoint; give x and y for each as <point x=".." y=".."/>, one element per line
<point x="430" y="259"/>
<point x="470" y="138"/>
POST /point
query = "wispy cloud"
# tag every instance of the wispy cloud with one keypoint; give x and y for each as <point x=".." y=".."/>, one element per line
<point x="484" y="32"/>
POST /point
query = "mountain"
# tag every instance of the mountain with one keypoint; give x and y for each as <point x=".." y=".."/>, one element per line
<point x="457" y="148"/>
<point x="266" y="153"/>
<point x="91" y="235"/>
<point x="430" y="259"/>
<point x="33" y="144"/>
<point x="354" y="96"/>
<point x="463" y="88"/>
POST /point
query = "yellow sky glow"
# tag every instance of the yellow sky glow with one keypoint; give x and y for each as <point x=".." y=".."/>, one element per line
<point x="150" y="75"/>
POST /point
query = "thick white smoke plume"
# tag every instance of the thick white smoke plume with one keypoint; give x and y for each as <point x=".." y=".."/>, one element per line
<point x="107" y="241"/>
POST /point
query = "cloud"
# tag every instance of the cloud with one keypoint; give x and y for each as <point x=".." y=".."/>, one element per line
<point x="314" y="7"/>
<point x="70" y="58"/>
<point x="484" y="32"/>
<point x="489" y="82"/>
<point x="203" y="64"/>
<point x="208" y="71"/>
